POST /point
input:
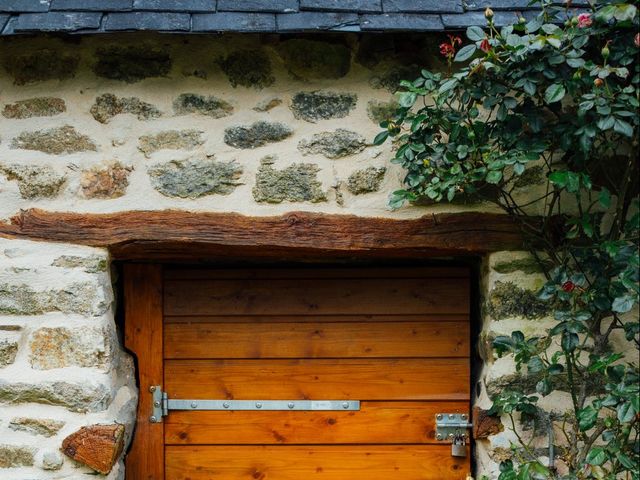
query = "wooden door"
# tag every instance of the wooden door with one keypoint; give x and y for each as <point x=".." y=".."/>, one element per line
<point x="397" y="340"/>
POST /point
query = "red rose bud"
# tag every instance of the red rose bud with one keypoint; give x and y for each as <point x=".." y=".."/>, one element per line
<point x="568" y="286"/>
<point x="636" y="40"/>
<point x="598" y="82"/>
<point x="485" y="46"/>
<point x="488" y="13"/>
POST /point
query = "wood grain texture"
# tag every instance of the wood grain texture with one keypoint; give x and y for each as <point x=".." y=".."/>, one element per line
<point x="260" y="319"/>
<point x="179" y="234"/>
<point x="375" y="423"/>
<point x="338" y="379"/>
<point x="143" y="337"/>
<point x="316" y="340"/>
<point x="316" y="297"/>
<point x="309" y="462"/>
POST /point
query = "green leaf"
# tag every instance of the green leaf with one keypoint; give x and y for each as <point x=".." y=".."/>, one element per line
<point x="380" y="138"/>
<point x="407" y="99"/>
<point x="475" y="34"/>
<point x="587" y="418"/>
<point x="604" y="197"/>
<point x="623" y="128"/>
<point x="554" y="93"/>
<point x="625" y="412"/>
<point x="596" y="456"/>
<point x="465" y="53"/>
<point x="494" y="176"/>
<point x="623" y="304"/>
<point x="569" y="341"/>
<point x="559" y="179"/>
<point x="606" y="123"/>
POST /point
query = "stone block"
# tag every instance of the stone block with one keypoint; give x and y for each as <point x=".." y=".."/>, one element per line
<point x="108" y="106"/>
<point x="132" y="63"/>
<point x="54" y="141"/>
<point x="295" y="183"/>
<point x="485" y="425"/>
<point x="8" y="351"/>
<point x="233" y="21"/>
<point x="57" y="21"/>
<point x="170" y="140"/>
<point x="176" y="5"/>
<point x="51" y="460"/>
<point x="46" y="427"/>
<point x="20" y="6"/>
<point x="319" y="105"/>
<point x="381" y="111"/>
<point x="422" y="22"/>
<point x="506" y="299"/>
<point x="336" y="144"/>
<point x="318" y="21"/>
<point x="248" y="68"/>
<point x="34" y="107"/>
<point x="87" y="395"/>
<point x="390" y="78"/>
<point x="195" y="178"/>
<point x="91" y="5"/>
<point x="96" y="446"/>
<point x="12" y="456"/>
<point x="90" y="264"/>
<point x="268" y="104"/>
<point x="286" y="6"/>
<point x="41" y="65"/>
<point x="156" y="21"/>
<point x="105" y="181"/>
<point x="60" y="347"/>
<point x="256" y="135"/>
<point x="313" y="59"/>
<point x="366" y="181"/>
<point x="360" y="6"/>
<point x="422" y="6"/>
<point x="35" y="181"/>
<point x="200" y="104"/>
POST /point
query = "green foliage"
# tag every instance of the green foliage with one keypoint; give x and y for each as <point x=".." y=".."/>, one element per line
<point x="563" y="98"/>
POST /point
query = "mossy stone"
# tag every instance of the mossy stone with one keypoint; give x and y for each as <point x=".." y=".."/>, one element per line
<point x="526" y="265"/>
<point x="366" y="181"/>
<point x="8" y="352"/>
<point x="295" y="183"/>
<point x="170" y="140"/>
<point x="379" y="111"/>
<point x="531" y="176"/>
<point x="45" y="64"/>
<point x="313" y="59"/>
<point x="90" y="264"/>
<point x="390" y="78"/>
<point x="46" y="427"/>
<point x="204" y="105"/>
<point x="35" y="181"/>
<point x="337" y="144"/>
<point x="248" y="68"/>
<point x="132" y="63"/>
<point x="12" y="456"/>
<point x="35" y="107"/>
<point x="108" y="106"/>
<point x="256" y="135"/>
<point x="195" y="178"/>
<point x="506" y="300"/>
<point x="55" y="141"/>
<point x="318" y="105"/>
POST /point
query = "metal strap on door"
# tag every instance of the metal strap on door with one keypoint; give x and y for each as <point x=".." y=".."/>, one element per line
<point x="162" y="405"/>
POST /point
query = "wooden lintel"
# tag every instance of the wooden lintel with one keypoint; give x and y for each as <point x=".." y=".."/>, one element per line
<point x="153" y="235"/>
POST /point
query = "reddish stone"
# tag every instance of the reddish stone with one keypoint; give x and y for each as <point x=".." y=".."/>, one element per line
<point x="96" y="446"/>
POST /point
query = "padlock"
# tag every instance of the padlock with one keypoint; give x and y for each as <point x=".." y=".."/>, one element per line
<point x="458" y="446"/>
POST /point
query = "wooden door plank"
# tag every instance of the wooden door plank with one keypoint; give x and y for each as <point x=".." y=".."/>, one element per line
<point x="375" y="423"/>
<point x="143" y="337"/>
<point x="181" y="273"/>
<point x="366" y="379"/>
<point x="317" y="297"/>
<point x="316" y="340"/>
<point x="436" y="318"/>
<point x="322" y="462"/>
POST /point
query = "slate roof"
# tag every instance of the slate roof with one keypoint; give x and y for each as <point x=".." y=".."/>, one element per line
<point x="203" y="16"/>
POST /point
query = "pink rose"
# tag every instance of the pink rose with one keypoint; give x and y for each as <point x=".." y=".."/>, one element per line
<point x="584" y="20"/>
<point x="636" y="40"/>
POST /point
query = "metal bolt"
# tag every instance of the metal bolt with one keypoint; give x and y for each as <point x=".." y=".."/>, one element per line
<point x="451" y="435"/>
<point x="439" y="436"/>
<point x="258" y="405"/>
<point x="291" y="405"/>
<point x="152" y="388"/>
<point x="345" y="405"/>
<point x="439" y="416"/>
<point x="451" y="415"/>
<point x="156" y="404"/>
<point x="194" y="404"/>
<point x="153" y="419"/>
<point x="463" y="416"/>
<point x="225" y="404"/>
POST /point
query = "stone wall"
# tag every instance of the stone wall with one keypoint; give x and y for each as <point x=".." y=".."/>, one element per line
<point x="61" y="367"/>
<point x="255" y="125"/>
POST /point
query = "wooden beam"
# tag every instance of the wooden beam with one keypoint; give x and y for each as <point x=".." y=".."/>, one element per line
<point x="152" y="235"/>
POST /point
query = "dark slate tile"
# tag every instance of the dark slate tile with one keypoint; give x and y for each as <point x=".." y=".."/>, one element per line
<point x="275" y="6"/>
<point x="468" y="19"/>
<point x="148" y="21"/>
<point x="175" y="5"/>
<point x="233" y="22"/>
<point x="24" y="6"/>
<point x="91" y="5"/>
<point x="515" y="4"/>
<point x="57" y="21"/>
<point x="8" y="28"/>
<point x="423" y="6"/>
<point x="359" y="6"/>
<point x="318" y="21"/>
<point x="401" y="21"/>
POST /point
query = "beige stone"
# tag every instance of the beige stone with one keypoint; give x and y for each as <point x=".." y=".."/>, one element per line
<point x="47" y="427"/>
<point x="64" y="347"/>
<point x="105" y="181"/>
<point x="12" y="456"/>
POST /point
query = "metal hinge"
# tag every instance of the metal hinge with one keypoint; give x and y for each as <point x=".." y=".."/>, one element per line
<point x="452" y="425"/>
<point x="162" y="405"/>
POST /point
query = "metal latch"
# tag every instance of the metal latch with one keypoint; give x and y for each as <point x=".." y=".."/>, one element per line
<point x="162" y="405"/>
<point x="452" y="425"/>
